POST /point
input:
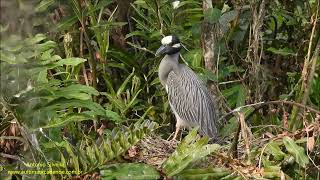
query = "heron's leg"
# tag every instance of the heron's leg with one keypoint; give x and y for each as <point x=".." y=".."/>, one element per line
<point x="176" y="132"/>
<point x="170" y="136"/>
<point x="181" y="134"/>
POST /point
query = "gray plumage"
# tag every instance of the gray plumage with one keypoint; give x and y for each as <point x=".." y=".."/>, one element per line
<point x="188" y="96"/>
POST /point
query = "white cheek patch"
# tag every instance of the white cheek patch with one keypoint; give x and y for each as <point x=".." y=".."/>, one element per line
<point x="166" y="40"/>
<point x="175" y="4"/>
<point x="176" y="45"/>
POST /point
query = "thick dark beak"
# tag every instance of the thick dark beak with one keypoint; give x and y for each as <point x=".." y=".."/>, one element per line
<point x="161" y="50"/>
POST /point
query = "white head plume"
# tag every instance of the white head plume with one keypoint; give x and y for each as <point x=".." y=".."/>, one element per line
<point x="175" y="4"/>
<point x="166" y="40"/>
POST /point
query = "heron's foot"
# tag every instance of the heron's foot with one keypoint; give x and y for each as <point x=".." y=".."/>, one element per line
<point x="174" y="139"/>
<point x="174" y="142"/>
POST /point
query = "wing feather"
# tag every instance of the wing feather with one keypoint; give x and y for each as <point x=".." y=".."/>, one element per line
<point x="191" y="100"/>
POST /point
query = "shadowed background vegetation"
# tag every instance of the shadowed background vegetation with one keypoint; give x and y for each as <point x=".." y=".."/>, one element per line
<point x="79" y="87"/>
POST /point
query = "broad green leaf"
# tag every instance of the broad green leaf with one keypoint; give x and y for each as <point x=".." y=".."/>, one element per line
<point x="133" y="100"/>
<point x="46" y="46"/>
<point x="274" y="149"/>
<point x="241" y="100"/>
<point x="68" y="119"/>
<point x="183" y="3"/>
<point x="63" y="103"/>
<point x="113" y="116"/>
<point x="43" y="5"/>
<point x="135" y="33"/>
<point x="66" y="23"/>
<point x="194" y="58"/>
<point x="202" y="173"/>
<point x="189" y="150"/>
<point x="232" y="124"/>
<point x="76" y="9"/>
<point x="123" y="57"/>
<point x="42" y="76"/>
<point x="282" y="51"/>
<point x="70" y="61"/>
<point x="231" y="91"/>
<point x="232" y="94"/>
<point x="73" y="156"/>
<point x="108" y="25"/>
<point x="109" y="85"/>
<point x="8" y="57"/>
<point x="80" y="88"/>
<point x="297" y="151"/>
<point x="129" y="171"/>
<point x="208" y="74"/>
<point x="124" y="84"/>
<point x="72" y="95"/>
<point x="115" y="101"/>
<point x="272" y="172"/>
<point x="36" y="39"/>
<point x="212" y="15"/>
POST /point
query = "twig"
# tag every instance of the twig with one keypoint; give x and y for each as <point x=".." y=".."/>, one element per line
<point x="314" y="61"/>
<point x="233" y="149"/>
<point x="229" y="82"/>
<point x="271" y="102"/>
<point x="260" y="158"/>
<point x="159" y="17"/>
<point x="306" y="80"/>
<point x="207" y="38"/>
<point x="239" y="171"/>
<point x="9" y="156"/>
<point x="81" y="55"/>
<point x="92" y="61"/>
<point x="245" y="133"/>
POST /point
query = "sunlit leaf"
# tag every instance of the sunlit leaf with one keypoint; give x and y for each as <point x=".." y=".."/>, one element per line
<point x="297" y="151"/>
<point x="70" y="61"/>
<point x="190" y="149"/>
<point x="212" y="15"/>
<point x="43" y="5"/>
<point x="275" y="150"/>
<point x="129" y="171"/>
<point x="124" y="84"/>
<point x="202" y="173"/>
<point x="282" y="51"/>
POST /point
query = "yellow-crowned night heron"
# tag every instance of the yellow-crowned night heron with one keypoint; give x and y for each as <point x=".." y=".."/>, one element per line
<point x="189" y="98"/>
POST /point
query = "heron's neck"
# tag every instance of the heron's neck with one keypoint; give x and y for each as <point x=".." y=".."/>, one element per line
<point x="168" y="63"/>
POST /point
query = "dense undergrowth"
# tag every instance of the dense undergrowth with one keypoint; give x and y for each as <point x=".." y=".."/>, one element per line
<point x="80" y="90"/>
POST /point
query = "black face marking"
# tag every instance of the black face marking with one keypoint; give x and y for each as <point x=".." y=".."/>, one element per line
<point x="175" y="40"/>
<point x="170" y="45"/>
<point x="172" y="50"/>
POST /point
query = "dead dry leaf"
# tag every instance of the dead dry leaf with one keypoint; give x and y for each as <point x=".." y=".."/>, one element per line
<point x="133" y="151"/>
<point x="310" y="143"/>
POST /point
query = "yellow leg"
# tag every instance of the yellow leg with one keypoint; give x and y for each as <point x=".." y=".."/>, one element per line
<point x="176" y="132"/>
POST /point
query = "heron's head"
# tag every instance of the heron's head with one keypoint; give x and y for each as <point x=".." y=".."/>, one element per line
<point x="170" y="45"/>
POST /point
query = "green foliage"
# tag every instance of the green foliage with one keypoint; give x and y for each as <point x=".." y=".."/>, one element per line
<point x="49" y="96"/>
<point x="190" y="149"/>
<point x="63" y="94"/>
<point x="202" y="173"/>
<point x="275" y="150"/>
<point x="129" y="171"/>
<point x="297" y="151"/>
<point x="90" y="155"/>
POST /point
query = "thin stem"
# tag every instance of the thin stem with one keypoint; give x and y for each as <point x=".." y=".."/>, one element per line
<point x="261" y="104"/>
<point x="81" y="55"/>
